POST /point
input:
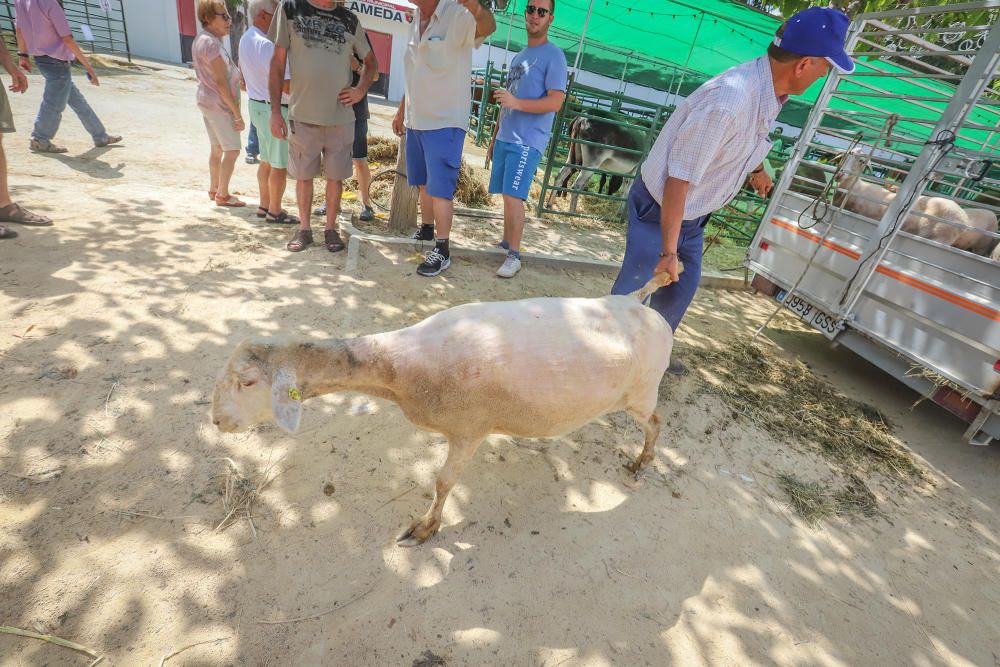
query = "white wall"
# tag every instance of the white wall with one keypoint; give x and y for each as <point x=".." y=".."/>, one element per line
<point x="152" y="29"/>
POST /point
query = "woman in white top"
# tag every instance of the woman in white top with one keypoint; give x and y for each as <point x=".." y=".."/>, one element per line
<point x="218" y="98"/>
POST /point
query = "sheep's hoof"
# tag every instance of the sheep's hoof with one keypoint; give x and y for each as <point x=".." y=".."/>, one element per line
<point x="636" y="468"/>
<point x="418" y="532"/>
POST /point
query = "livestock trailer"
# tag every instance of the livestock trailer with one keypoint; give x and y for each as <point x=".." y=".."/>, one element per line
<point x="923" y="109"/>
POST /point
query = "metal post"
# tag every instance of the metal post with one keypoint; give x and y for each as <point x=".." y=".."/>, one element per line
<point x="583" y="36"/>
<point x="621" y="81"/>
<point x="554" y="144"/>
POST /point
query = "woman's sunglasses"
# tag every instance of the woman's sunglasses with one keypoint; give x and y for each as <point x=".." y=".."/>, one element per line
<point x="541" y="11"/>
<point x="225" y="16"/>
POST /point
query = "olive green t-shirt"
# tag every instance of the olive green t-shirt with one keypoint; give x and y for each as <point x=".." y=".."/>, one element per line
<point x="321" y="44"/>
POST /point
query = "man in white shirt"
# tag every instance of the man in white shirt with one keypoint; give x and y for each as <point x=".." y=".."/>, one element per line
<point x="435" y="111"/>
<point x="256" y="51"/>
<point x="715" y="138"/>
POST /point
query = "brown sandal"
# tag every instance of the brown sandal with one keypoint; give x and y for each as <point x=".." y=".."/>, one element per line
<point x="303" y="239"/>
<point x="331" y="237"/>
<point x="232" y="201"/>
<point x="22" y="216"/>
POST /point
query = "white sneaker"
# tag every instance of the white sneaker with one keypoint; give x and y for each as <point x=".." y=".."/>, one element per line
<point x="510" y="267"/>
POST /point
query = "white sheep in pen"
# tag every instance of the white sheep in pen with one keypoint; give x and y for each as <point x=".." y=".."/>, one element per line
<point x="532" y="368"/>
<point x="872" y="200"/>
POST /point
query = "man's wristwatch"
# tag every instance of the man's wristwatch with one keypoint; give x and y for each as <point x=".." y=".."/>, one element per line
<point x="22" y="55"/>
<point x="668" y="254"/>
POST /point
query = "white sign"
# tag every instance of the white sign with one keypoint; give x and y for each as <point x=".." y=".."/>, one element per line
<point x="88" y="34"/>
<point x="382" y="10"/>
<point x="105" y="5"/>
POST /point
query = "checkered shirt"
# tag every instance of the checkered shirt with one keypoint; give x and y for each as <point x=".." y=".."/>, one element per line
<point x="715" y="137"/>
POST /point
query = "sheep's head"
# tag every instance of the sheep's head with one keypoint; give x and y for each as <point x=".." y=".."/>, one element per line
<point x="854" y="162"/>
<point x="255" y="388"/>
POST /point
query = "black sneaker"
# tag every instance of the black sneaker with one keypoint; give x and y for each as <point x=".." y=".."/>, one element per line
<point x="367" y="214"/>
<point x="320" y="211"/>
<point x="424" y="233"/>
<point x="434" y="263"/>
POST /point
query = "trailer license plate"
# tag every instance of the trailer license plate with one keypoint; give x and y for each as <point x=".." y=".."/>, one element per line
<point x="808" y="313"/>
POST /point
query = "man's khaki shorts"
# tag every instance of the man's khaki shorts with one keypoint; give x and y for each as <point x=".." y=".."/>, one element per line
<point x="313" y="149"/>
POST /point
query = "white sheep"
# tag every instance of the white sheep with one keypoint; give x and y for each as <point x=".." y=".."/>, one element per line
<point x="872" y="200"/>
<point x="973" y="240"/>
<point x="531" y="368"/>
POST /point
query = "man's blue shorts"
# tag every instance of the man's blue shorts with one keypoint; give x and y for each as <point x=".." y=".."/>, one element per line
<point x="433" y="158"/>
<point x="514" y="168"/>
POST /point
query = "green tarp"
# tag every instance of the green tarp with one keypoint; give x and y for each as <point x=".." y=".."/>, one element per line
<point x="676" y="46"/>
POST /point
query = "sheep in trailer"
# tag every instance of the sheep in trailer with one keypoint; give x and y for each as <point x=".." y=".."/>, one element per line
<point x="974" y="240"/>
<point x="872" y="200"/>
<point x="532" y="368"/>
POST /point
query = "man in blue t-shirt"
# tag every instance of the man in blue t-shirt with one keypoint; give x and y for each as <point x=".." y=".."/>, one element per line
<point x="536" y="88"/>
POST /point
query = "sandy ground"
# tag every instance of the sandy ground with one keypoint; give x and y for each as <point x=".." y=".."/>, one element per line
<point x="114" y="323"/>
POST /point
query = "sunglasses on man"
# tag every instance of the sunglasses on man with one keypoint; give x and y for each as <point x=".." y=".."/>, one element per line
<point x="541" y="11"/>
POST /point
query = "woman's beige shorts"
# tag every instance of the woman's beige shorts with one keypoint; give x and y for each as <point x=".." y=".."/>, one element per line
<point x="220" y="130"/>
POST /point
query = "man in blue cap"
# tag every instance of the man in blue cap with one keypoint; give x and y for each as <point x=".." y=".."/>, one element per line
<point x="715" y="138"/>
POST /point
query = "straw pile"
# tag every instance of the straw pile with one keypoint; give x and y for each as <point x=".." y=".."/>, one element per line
<point x="785" y="398"/>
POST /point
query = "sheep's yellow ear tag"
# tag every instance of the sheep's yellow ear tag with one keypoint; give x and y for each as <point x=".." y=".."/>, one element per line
<point x="286" y="400"/>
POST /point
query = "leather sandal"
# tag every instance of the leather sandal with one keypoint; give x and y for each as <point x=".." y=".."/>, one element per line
<point x="283" y="218"/>
<point x="332" y="240"/>
<point x="303" y="239"/>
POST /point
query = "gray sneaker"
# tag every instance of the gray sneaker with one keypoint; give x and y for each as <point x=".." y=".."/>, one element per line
<point x="366" y="214"/>
<point x="510" y="267"/>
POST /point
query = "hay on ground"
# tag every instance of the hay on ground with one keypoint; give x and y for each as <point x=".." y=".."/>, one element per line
<point x="382" y="149"/>
<point x="814" y="503"/>
<point x="240" y="493"/>
<point x="785" y="398"/>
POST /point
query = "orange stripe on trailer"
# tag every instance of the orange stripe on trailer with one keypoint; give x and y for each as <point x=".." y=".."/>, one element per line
<point x="847" y="252"/>
<point x="950" y="297"/>
<point x="945" y="295"/>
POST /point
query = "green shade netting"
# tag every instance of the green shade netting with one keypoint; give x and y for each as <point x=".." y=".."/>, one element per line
<point x="676" y="46"/>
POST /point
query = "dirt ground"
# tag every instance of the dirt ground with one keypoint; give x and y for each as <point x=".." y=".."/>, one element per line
<point x="114" y="323"/>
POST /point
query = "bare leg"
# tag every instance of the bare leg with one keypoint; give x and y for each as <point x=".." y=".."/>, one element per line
<point x="4" y="192"/>
<point x="304" y="198"/>
<point x="226" y="166"/>
<point x="443" y="211"/>
<point x="214" y="161"/>
<point x="263" y="178"/>
<point x="651" y="427"/>
<point x="460" y="451"/>
<point x="333" y="191"/>
<point x="364" y="175"/>
<point x="426" y="208"/>
<point x="276" y="182"/>
<point x="513" y="221"/>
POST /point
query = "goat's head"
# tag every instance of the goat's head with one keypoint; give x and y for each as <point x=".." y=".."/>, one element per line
<point x="256" y="386"/>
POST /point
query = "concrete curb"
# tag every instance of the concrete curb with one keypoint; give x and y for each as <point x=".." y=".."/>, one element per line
<point x="712" y="280"/>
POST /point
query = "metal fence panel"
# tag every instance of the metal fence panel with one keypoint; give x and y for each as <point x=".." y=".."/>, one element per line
<point x="104" y="19"/>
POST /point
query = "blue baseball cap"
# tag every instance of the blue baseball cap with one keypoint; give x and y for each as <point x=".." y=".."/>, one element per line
<point x="818" y="32"/>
